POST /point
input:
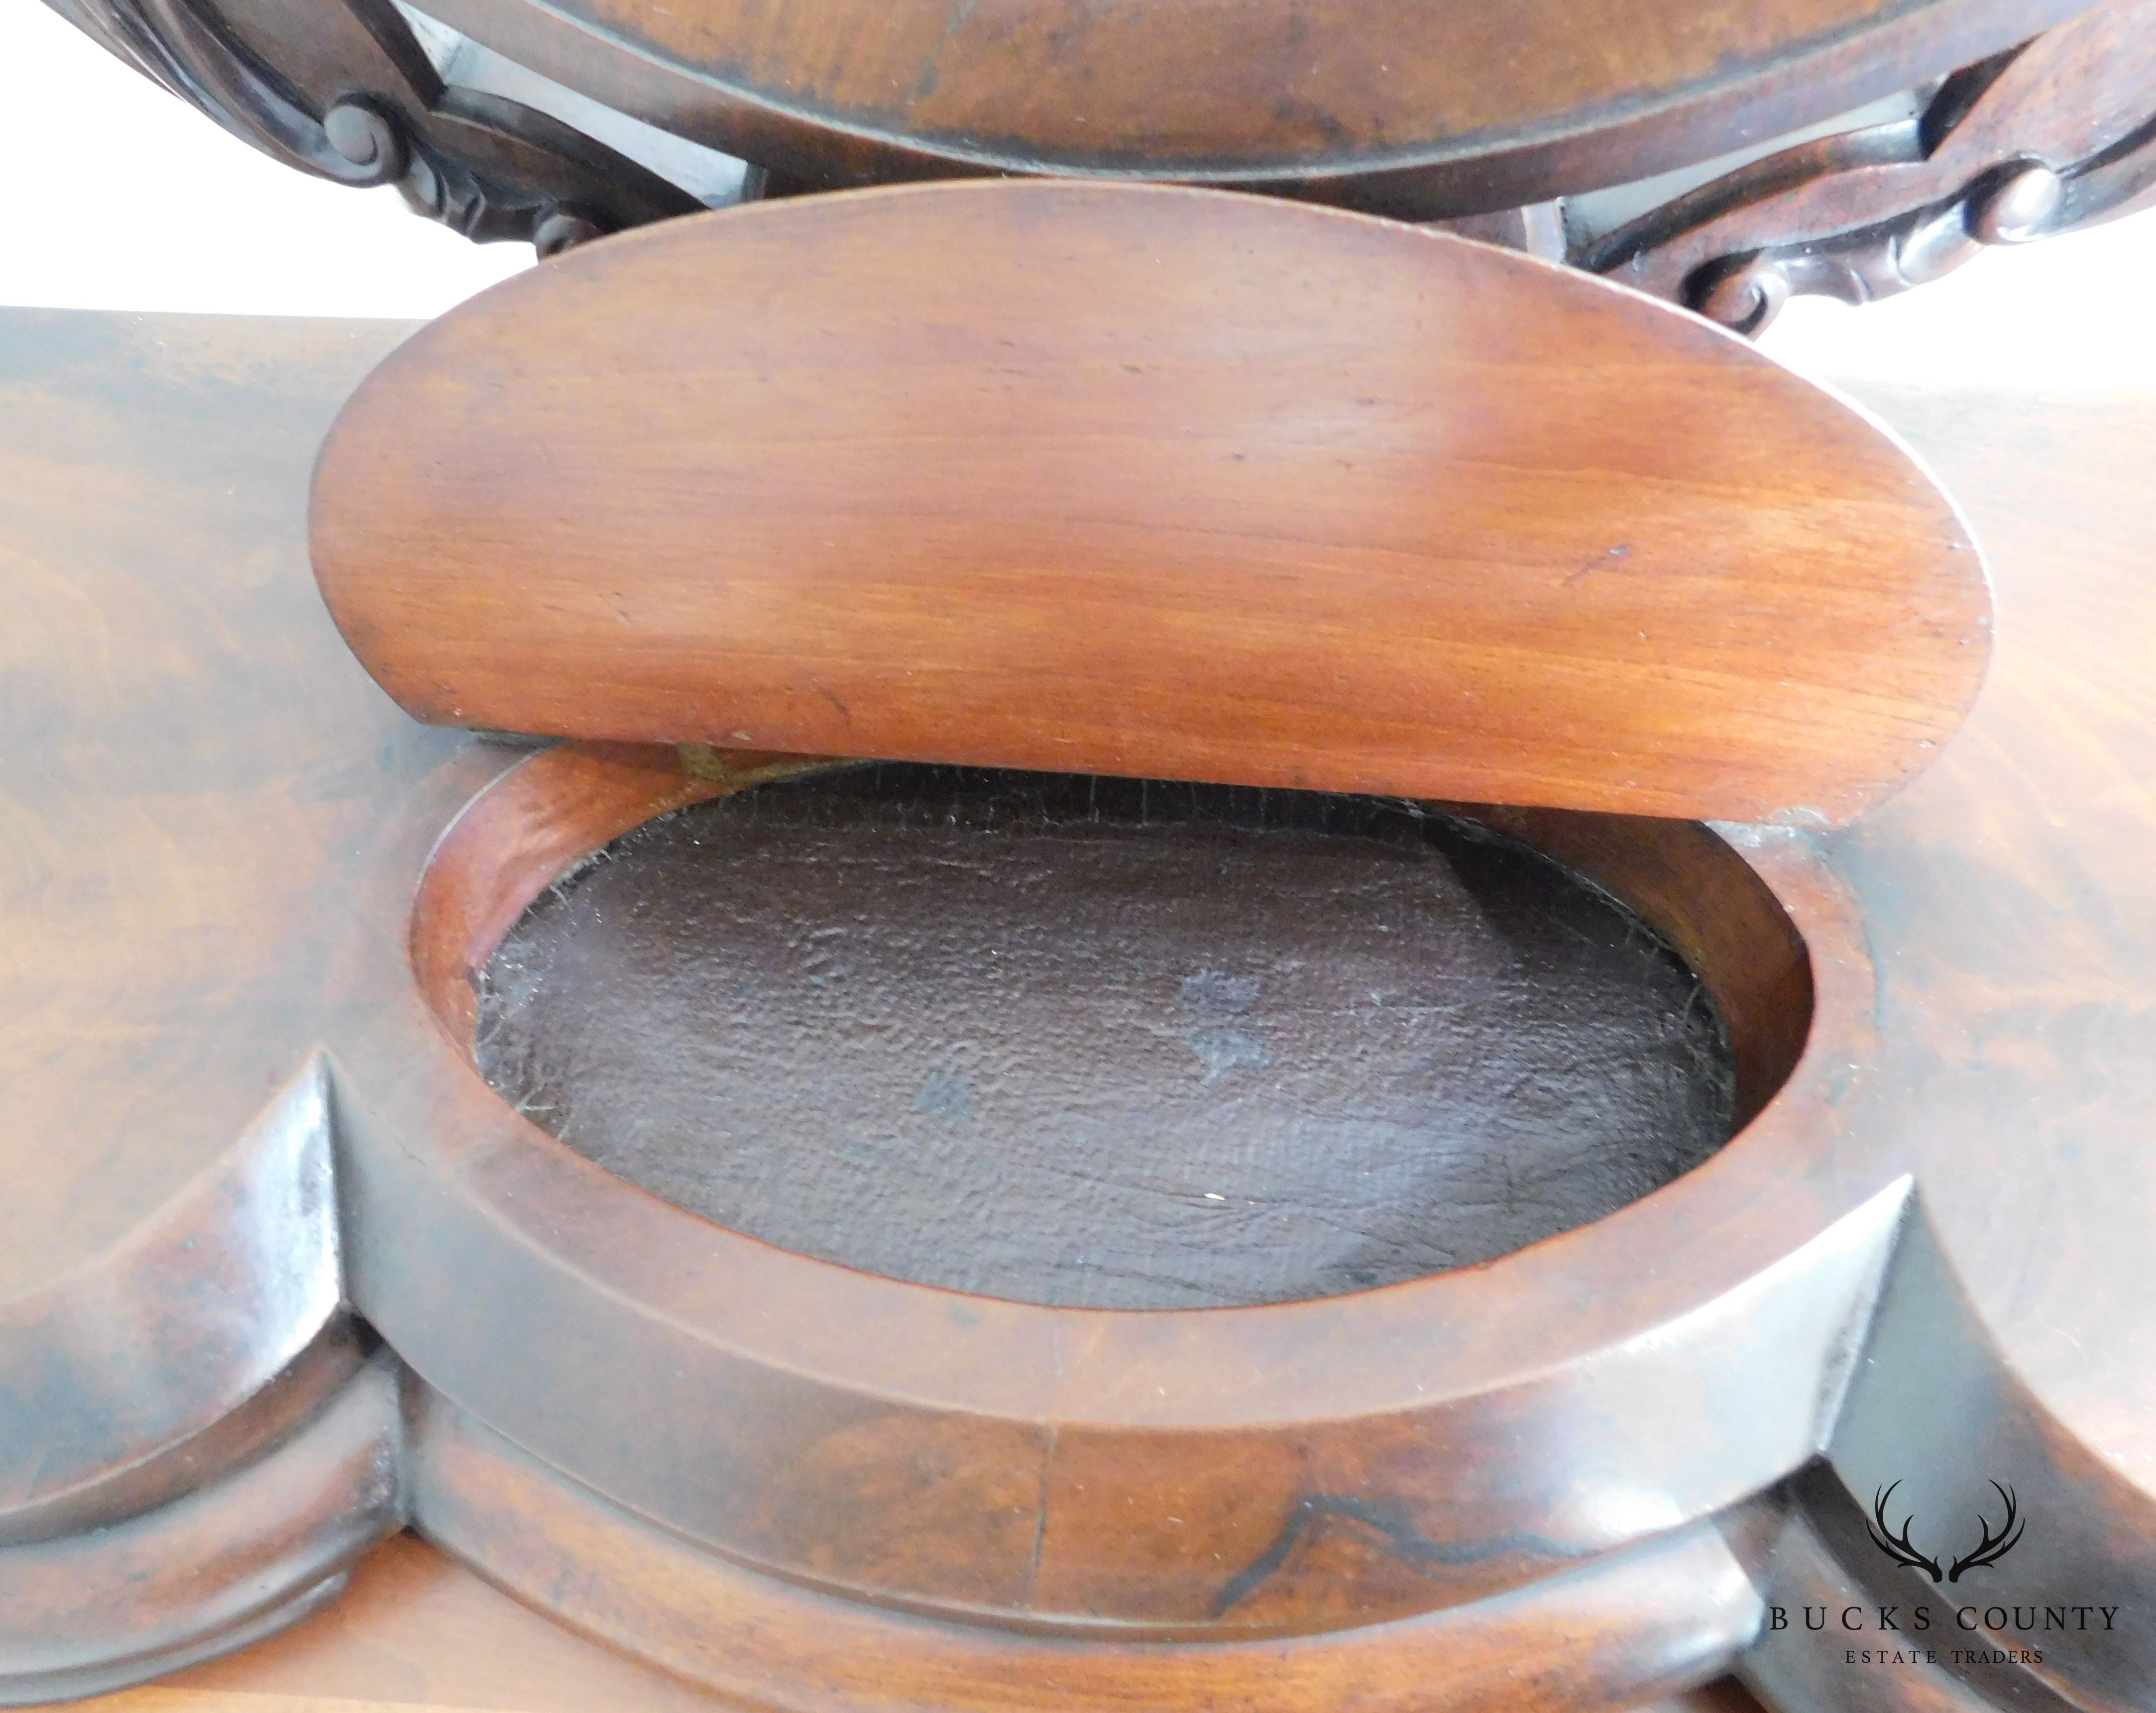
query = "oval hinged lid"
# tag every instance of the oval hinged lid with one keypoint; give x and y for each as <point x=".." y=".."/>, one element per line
<point x="1155" y="482"/>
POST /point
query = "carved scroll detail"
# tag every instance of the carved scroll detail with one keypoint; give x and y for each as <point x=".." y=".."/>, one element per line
<point x="2054" y="134"/>
<point x="1745" y="293"/>
<point x="488" y="166"/>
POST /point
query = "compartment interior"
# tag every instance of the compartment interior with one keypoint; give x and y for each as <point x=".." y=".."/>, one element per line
<point x="1118" y="1043"/>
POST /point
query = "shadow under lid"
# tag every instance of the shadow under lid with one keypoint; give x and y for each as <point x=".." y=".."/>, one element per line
<point x="1099" y="1043"/>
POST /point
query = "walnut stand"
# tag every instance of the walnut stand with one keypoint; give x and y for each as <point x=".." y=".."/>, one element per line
<point x="281" y="1276"/>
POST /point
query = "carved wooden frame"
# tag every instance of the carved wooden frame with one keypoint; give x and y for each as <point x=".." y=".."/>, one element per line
<point x="610" y="1406"/>
<point x="2057" y="133"/>
<point x="2032" y="120"/>
<point x="378" y="112"/>
<point x="387" y="1180"/>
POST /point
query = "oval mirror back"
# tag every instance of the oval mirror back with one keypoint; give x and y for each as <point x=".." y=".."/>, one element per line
<point x="1148" y="481"/>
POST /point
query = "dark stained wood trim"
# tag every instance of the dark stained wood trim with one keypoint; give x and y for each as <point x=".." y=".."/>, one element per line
<point x="1931" y="1241"/>
<point x="2061" y="132"/>
<point x="1051" y="1409"/>
<point x="343" y="90"/>
<point x="1737" y="933"/>
<point x="240" y="1556"/>
<point x="123" y="1378"/>
<point x="1417" y="169"/>
<point x="1657" y="1618"/>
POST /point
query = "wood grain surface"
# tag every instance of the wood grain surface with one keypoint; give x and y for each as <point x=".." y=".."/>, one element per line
<point x="1155" y="482"/>
<point x="415" y="1629"/>
<point x="213" y="843"/>
<point x="418" y="1631"/>
<point x="1150" y="1475"/>
<point x="191" y="1450"/>
<point x="138" y="513"/>
<point x="1393" y="104"/>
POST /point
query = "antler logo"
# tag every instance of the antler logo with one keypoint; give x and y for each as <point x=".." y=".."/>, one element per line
<point x="1989" y="1551"/>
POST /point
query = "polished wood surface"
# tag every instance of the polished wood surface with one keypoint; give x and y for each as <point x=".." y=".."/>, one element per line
<point x="135" y="517"/>
<point x="830" y="1435"/>
<point x="1397" y="105"/>
<point x="192" y="1448"/>
<point x="1148" y="1476"/>
<point x="1563" y="1480"/>
<point x="416" y="1630"/>
<point x="1099" y="87"/>
<point x="1150" y="482"/>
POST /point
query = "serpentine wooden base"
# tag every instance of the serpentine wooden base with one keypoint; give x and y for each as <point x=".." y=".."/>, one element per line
<point x="245" y="1141"/>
